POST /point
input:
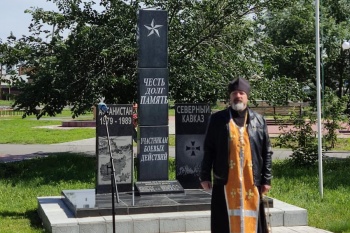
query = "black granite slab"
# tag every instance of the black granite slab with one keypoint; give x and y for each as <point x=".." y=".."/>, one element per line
<point x="86" y="203"/>
<point x="153" y="88"/>
<point x="191" y="122"/>
<point x="159" y="187"/>
<point x="118" y="122"/>
<point x="153" y="153"/>
<point x="152" y="38"/>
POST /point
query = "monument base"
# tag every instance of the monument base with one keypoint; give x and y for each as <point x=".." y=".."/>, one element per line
<point x="56" y="217"/>
<point x="86" y="203"/>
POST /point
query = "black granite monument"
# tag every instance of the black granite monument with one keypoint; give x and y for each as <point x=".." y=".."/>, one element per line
<point x="152" y="140"/>
<point x="119" y="122"/>
<point x="191" y="121"/>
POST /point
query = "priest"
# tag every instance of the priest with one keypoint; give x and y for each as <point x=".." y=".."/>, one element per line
<point x="236" y="166"/>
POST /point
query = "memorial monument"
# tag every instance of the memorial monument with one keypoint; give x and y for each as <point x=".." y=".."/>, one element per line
<point x="153" y="88"/>
<point x="153" y="130"/>
<point x="154" y="191"/>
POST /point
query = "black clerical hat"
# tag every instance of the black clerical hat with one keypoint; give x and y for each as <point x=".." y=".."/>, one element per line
<point x="239" y="84"/>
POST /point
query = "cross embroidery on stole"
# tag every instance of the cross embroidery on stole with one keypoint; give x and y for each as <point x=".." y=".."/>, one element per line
<point x="232" y="164"/>
<point x="242" y="197"/>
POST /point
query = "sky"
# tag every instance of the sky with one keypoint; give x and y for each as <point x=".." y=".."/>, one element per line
<point x="13" y="18"/>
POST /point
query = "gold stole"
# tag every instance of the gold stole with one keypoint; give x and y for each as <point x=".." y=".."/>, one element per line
<point x="242" y="196"/>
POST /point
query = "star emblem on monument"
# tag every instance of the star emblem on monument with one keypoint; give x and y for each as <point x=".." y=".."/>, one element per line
<point x="153" y="28"/>
<point x="193" y="148"/>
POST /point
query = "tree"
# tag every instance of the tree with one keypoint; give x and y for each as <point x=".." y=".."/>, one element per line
<point x="97" y="59"/>
<point x="290" y="35"/>
<point x="290" y="38"/>
<point x="288" y="48"/>
<point x="208" y="42"/>
<point x="336" y="62"/>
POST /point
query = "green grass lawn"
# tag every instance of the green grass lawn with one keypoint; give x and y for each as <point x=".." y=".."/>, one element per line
<point x="22" y="182"/>
<point x="300" y="186"/>
<point x="32" y="131"/>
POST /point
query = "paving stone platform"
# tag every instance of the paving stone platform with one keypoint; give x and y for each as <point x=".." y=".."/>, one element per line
<point x="57" y="218"/>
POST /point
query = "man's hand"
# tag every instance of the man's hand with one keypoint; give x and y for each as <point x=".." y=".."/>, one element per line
<point x="265" y="188"/>
<point x="206" y="185"/>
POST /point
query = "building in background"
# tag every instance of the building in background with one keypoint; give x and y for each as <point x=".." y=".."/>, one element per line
<point x="7" y="74"/>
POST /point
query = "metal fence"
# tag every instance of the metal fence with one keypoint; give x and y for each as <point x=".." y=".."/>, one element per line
<point x="6" y="112"/>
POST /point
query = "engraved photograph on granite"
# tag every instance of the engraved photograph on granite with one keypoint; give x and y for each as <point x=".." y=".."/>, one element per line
<point x="122" y="154"/>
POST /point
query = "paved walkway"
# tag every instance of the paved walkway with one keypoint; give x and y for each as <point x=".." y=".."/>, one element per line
<point x="15" y="152"/>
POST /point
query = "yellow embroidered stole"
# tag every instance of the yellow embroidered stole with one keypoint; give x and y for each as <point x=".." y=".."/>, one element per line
<point x="242" y="196"/>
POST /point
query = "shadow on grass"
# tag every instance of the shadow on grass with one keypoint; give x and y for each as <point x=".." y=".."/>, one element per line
<point x="50" y="170"/>
<point x="336" y="172"/>
<point x="32" y="215"/>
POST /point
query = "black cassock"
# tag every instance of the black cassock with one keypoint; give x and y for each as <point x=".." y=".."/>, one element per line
<point x="219" y="216"/>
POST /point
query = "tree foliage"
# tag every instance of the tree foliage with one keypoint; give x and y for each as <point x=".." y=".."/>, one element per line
<point x="84" y="66"/>
<point x="302" y="139"/>
<point x="279" y="91"/>
<point x="288" y="52"/>
<point x="209" y="42"/>
<point x="290" y="34"/>
<point x="288" y="45"/>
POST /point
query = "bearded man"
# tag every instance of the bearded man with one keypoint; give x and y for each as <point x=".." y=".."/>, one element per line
<point x="237" y="156"/>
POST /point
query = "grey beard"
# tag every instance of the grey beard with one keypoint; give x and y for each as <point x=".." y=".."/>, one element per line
<point x="238" y="107"/>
